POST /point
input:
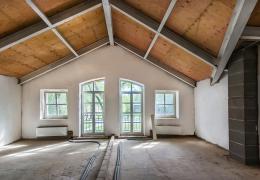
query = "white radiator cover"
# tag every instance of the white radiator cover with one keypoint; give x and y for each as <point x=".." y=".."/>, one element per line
<point x="168" y="130"/>
<point x="51" y="131"/>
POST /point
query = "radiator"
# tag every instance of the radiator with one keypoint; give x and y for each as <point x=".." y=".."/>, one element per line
<point x="51" y="131"/>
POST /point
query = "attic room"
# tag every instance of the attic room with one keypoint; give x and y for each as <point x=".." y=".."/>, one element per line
<point x="129" y="89"/>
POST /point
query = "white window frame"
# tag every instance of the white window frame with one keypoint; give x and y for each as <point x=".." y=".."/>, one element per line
<point x="81" y="133"/>
<point x="176" y="104"/>
<point x="143" y="107"/>
<point x="43" y="104"/>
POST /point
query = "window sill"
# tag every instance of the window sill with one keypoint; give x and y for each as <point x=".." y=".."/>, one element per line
<point x="55" y="119"/>
<point x="159" y="118"/>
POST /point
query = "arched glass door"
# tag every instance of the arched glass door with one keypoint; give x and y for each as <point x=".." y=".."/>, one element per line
<point x="131" y="102"/>
<point x="92" y="107"/>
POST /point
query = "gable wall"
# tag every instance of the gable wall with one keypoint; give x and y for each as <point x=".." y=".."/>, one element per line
<point x="112" y="63"/>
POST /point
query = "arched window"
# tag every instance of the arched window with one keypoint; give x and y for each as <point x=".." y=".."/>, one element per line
<point x="131" y="102"/>
<point x="92" y="107"/>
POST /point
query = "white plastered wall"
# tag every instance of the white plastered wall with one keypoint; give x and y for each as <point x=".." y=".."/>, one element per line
<point x="211" y="111"/>
<point x="10" y="110"/>
<point x="112" y="63"/>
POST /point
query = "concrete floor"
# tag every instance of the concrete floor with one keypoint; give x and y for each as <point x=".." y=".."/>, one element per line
<point x="45" y="159"/>
<point x="180" y="158"/>
<point x="174" y="158"/>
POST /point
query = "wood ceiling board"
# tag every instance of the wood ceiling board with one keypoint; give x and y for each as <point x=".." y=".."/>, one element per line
<point x="85" y="29"/>
<point x="255" y="16"/>
<point x="203" y="22"/>
<point x="155" y="8"/>
<point x="130" y="31"/>
<point x="33" y="54"/>
<point x="16" y="14"/>
<point x="51" y="7"/>
<point x="180" y="60"/>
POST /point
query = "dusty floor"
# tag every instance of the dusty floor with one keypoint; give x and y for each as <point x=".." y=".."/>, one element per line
<point x="40" y="160"/>
<point x="175" y="158"/>
<point x="180" y="158"/>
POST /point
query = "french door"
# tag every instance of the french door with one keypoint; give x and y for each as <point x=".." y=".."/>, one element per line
<point x="92" y="107"/>
<point x="131" y="102"/>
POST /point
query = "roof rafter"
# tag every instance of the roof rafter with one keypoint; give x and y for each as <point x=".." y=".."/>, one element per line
<point x="156" y="63"/>
<point x="241" y="14"/>
<point x="165" y="18"/>
<point x="108" y="18"/>
<point x="41" y="27"/>
<point x="165" y="32"/>
<point x="63" y="61"/>
<point x="50" y="25"/>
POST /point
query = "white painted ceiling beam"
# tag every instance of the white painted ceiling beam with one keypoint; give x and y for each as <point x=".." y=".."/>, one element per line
<point x="156" y="63"/>
<point x="63" y="61"/>
<point x="240" y="17"/>
<point x="41" y="27"/>
<point x="165" y="18"/>
<point x="166" y="33"/>
<point x="108" y="18"/>
<point x="50" y="25"/>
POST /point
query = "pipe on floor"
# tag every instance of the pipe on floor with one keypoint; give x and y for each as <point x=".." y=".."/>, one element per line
<point x="91" y="161"/>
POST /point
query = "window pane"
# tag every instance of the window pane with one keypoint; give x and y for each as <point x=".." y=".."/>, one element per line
<point x="87" y="97"/>
<point x="87" y="108"/>
<point x="137" y="98"/>
<point x="126" y="117"/>
<point x="61" y="98"/>
<point x="88" y="86"/>
<point x="137" y="108"/>
<point x="50" y="98"/>
<point x="62" y="110"/>
<point x="99" y="85"/>
<point x="125" y="108"/>
<point x="126" y="98"/>
<point x="125" y="86"/>
<point x="169" y="109"/>
<point x="137" y="127"/>
<point x="98" y="107"/>
<point x="169" y="98"/>
<point x="136" y="87"/>
<point x="159" y="98"/>
<point x="126" y="127"/>
<point x="88" y="123"/>
<point x="99" y="98"/>
<point x="137" y="117"/>
<point x="159" y="109"/>
<point x="51" y="110"/>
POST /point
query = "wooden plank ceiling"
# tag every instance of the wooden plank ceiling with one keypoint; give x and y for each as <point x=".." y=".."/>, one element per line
<point x="202" y="22"/>
<point x="16" y="14"/>
<point x="164" y="51"/>
<point x="46" y="48"/>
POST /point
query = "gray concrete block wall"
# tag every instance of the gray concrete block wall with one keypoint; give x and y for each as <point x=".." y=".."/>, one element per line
<point x="243" y="107"/>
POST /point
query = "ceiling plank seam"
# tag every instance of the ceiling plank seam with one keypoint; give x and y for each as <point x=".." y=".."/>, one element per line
<point x="166" y="33"/>
<point x="50" y="25"/>
<point x="56" y="20"/>
<point x="108" y="18"/>
<point x="239" y="19"/>
<point x="165" y="18"/>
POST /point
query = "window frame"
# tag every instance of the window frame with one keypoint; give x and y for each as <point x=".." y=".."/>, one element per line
<point x="81" y="126"/>
<point x="43" y="104"/>
<point x="142" y="93"/>
<point x="176" y="116"/>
